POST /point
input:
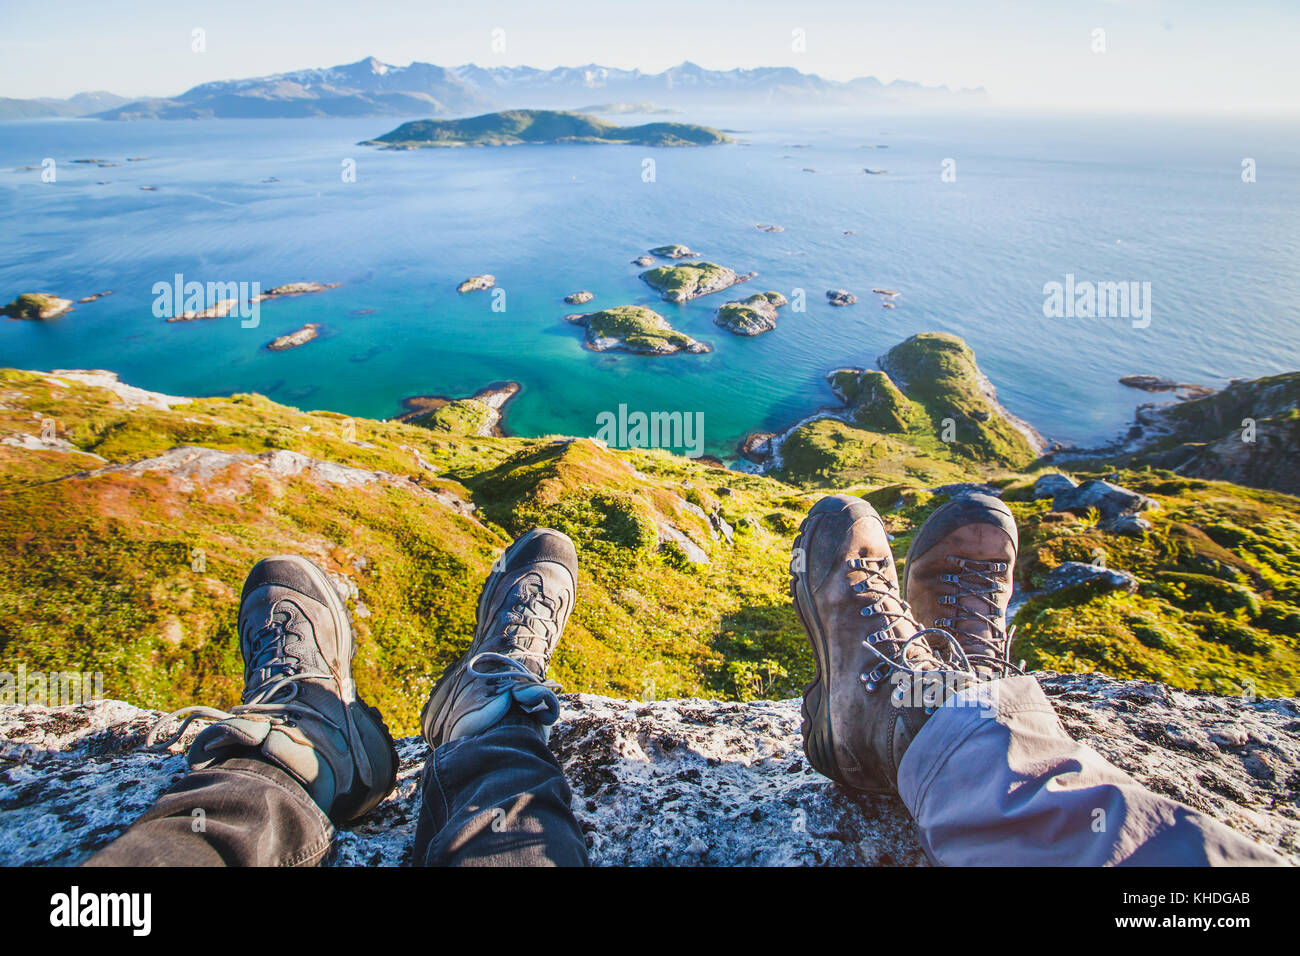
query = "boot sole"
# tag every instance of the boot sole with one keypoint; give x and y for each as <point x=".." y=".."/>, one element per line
<point x="819" y="740"/>
<point x="343" y="627"/>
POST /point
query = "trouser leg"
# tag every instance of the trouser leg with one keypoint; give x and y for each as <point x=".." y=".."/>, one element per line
<point x="240" y="812"/>
<point x="992" y="778"/>
<point x="498" y="798"/>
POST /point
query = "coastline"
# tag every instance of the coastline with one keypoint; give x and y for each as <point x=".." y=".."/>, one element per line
<point x="495" y="395"/>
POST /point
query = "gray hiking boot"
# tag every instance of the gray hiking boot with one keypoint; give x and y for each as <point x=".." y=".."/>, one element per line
<point x="522" y="610"/>
<point x="959" y="577"/>
<point x="300" y="709"/>
<point x="878" y="679"/>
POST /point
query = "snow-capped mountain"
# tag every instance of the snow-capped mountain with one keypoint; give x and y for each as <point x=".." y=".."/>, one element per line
<point x="371" y="87"/>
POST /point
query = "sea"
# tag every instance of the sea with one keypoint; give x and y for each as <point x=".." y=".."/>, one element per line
<point x="970" y="218"/>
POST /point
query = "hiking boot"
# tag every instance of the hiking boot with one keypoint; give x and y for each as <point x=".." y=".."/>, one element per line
<point x="959" y="577"/>
<point x="878" y="679"/>
<point x="522" y="610"/>
<point x="300" y="709"/>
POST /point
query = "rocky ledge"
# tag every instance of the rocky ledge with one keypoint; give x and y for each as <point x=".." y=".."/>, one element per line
<point x="680" y="782"/>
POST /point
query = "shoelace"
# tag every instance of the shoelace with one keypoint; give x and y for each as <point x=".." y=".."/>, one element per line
<point x="515" y="672"/>
<point x="975" y="579"/>
<point x="523" y="620"/>
<point x="894" y="653"/>
<point x="278" y="674"/>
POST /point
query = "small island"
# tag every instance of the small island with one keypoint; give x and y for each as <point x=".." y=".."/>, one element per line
<point x="690" y="280"/>
<point x="674" y="250"/>
<point x="634" y="328"/>
<point x="578" y="298"/>
<point x="294" y="288"/>
<point x="37" y="305"/>
<point x="751" y="316"/>
<point x="477" y="284"/>
<point x="514" y="127"/>
<point x="840" y="297"/>
<point x="482" y="414"/>
<point x="295" y="339"/>
<point x="219" y="310"/>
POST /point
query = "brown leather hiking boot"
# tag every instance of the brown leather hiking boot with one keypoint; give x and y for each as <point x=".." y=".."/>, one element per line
<point x="878" y="679"/>
<point x="959" y="577"/>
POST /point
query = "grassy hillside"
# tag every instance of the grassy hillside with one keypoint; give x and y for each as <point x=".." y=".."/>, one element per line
<point x="120" y="556"/>
<point x="926" y="419"/>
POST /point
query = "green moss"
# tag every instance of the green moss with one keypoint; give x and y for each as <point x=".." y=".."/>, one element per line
<point x="464" y="416"/>
<point x="876" y="401"/>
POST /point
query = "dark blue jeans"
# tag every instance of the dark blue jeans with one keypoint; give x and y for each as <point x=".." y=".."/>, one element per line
<point x="495" y="799"/>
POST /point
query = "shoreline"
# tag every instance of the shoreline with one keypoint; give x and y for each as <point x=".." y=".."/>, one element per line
<point x="495" y="395"/>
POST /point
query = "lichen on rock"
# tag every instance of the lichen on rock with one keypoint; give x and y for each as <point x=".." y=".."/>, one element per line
<point x="679" y="782"/>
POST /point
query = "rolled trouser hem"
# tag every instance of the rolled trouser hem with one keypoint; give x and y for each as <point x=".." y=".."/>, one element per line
<point x="241" y="812"/>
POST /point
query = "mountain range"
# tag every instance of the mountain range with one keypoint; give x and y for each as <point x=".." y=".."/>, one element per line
<point x="371" y="87"/>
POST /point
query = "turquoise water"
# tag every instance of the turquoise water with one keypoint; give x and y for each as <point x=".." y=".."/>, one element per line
<point x="1034" y="199"/>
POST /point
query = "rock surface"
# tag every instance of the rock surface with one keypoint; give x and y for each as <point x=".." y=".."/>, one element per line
<point x="294" y="288"/>
<point x="1051" y="485"/>
<point x="840" y="297"/>
<point x="751" y="316"/>
<point x="218" y="310"/>
<point x="680" y="782"/>
<point x="1111" y="501"/>
<point x="1071" y="573"/>
<point x="295" y="339"/>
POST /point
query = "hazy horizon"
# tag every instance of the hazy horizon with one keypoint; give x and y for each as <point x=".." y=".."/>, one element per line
<point x="1159" y="56"/>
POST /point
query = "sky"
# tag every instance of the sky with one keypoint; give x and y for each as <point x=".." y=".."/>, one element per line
<point x="1187" y="56"/>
